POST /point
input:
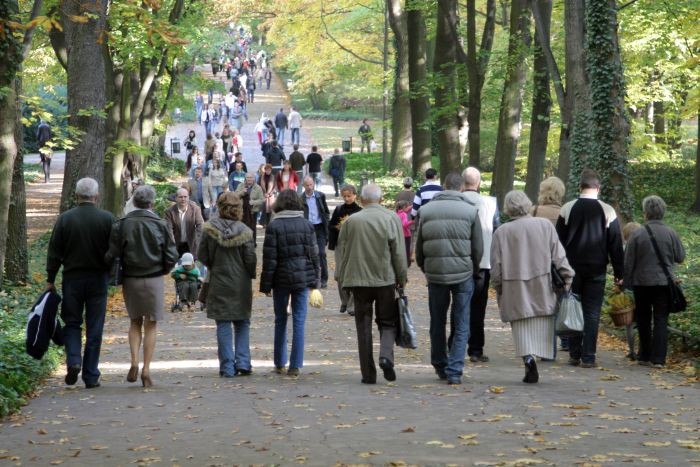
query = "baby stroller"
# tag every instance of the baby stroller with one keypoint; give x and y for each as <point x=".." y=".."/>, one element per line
<point x="179" y="304"/>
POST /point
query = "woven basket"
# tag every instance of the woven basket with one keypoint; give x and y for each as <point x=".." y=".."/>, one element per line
<point x="622" y="317"/>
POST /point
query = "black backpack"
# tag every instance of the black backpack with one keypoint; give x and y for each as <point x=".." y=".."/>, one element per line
<point x="43" y="325"/>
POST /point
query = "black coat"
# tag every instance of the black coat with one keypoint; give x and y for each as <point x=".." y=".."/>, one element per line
<point x="322" y="207"/>
<point x="341" y="211"/>
<point x="290" y="254"/>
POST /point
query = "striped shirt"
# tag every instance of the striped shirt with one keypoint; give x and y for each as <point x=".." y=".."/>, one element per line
<point x="424" y="194"/>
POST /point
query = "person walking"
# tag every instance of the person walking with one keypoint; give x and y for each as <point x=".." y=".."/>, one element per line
<point x="426" y="191"/>
<point x="336" y="169"/>
<point x="372" y="264"/>
<point x="227" y="249"/>
<point x="523" y="253"/>
<point x="340" y="215"/>
<point x="590" y="232"/>
<point x="489" y="218"/>
<point x="43" y="136"/>
<point x="199" y="105"/>
<point x="406" y="194"/>
<point x="147" y="252"/>
<point x="314" y="161"/>
<point x="365" y="132"/>
<point x="79" y="242"/>
<point x="316" y="211"/>
<point x="290" y="267"/>
<point x="646" y="277"/>
<point x="184" y="220"/>
<point x="449" y="247"/>
<point x="296" y="158"/>
<point x="294" y="124"/>
<point x="281" y="124"/>
<point x="253" y="201"/>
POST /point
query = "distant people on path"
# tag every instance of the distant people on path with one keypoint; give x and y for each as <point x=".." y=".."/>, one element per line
<point x="237" y="115"/>
<point x="199" y="192"/>
<point x="365" y="132"/>
<point x="523" y="253"/>
<point x="253" y="202"/>
<point x="43" y="136"/>
<point x="296" y="159"/>
<point x="227" y="249"/>
<point x="269" y="189"/>
<point x="250" y="90"/>
<point x="79" y="242"/>
<point x="316" y="211"/>
<point x="314" y="162"/>
<point x="294" y="124"/>
<point x="372" y="264"/>
<point x="199" y="105"/>
<point x="336" y="169"/>
<point x="268" y="76"/>
<point x="406" y="193"/>
<point x="340" y="215"/>
<point x="426" y="191"/>
<point x="184" y="219"/>
<point x="590" y="232"/>
<point x="281" y="124"/>
<point x="290" y="267"/>
<point x="449" y="248"/>
<point x="489" y="219"/>
<point x="147" y="250"/>
<point x="646" y="277"/>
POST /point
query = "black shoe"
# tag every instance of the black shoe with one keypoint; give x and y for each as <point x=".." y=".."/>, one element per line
<point x="478" y="358"/>
<point x="454" y="381"/>
<point x="92" y="385"/>
<point x="244" y="372"/>
<point x="441" y="374"/>
<point x="531" y="374"/>
<point x="343" y="308"/>
<point x="324" y="285"/>
<point x="368" y="381"/>
<point x="351" y="313"/>
<point x="388" y="367"/>
<point x="574" y="361"/>
<point x="72" y="375"/>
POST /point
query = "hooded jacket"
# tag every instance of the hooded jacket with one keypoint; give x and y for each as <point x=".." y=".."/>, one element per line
<point x="227" y="249"/>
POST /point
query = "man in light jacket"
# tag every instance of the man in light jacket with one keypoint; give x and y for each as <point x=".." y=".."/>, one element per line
<point x="449" y="247"/>
<point x="372" y="264"/>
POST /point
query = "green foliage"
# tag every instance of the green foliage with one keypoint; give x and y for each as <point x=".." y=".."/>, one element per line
<point x="33" y="173"/>
<point x="46" y="103"/>
<point x="10" y="43"/>
<point x="161" y="170"/>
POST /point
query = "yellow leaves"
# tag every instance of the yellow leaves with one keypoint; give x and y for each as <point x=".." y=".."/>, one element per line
<point x="468" y="436"/>
<point x="689" y="444"/>
<point x="367" y="454"/>
<point x="611" y="378"/>
<point x="42" y="431"/>
<point x="98" y="447"/>
<point x="656" y="444"/>
<point x="343" y="425"/>
<point x="573" y="406"/>
<point x="40" y="21"/>
<point x="440" y="444"/>
<point x="496" y="389"/>
<point x="78" y="19"/>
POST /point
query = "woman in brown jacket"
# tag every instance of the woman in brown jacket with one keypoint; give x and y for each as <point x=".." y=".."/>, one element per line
<point x="522" y="255"/>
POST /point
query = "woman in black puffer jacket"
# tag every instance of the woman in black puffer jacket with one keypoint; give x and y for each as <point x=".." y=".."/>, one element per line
<point x="290" y="267"/>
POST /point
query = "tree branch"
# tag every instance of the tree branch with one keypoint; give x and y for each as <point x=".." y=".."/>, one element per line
<point x="548" y="55"/>
<point x="342" y="47"/>
<point x="29" y="34"/>
<point x="626" y="5"/>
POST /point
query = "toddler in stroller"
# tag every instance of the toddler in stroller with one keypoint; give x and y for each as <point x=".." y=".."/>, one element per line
<point x="187" y="282"/>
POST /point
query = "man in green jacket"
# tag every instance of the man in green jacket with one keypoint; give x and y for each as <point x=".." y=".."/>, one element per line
<point x="372" y="264"/>
<point x="449" y="247"/>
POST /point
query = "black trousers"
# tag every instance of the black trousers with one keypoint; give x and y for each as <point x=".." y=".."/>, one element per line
<point x="384" y="301"/>
<point x="652" y="305"/>
<point x="321" y="240"/>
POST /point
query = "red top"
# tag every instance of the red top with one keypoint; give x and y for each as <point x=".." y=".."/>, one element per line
<point x="292" y="183"/>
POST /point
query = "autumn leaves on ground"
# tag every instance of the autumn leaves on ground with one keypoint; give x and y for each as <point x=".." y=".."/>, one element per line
<point x="619" y="413"/>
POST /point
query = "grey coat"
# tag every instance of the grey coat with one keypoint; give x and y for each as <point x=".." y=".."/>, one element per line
<point x="227" y="249"/>
<point x="449" y="239"/>
<point x="641" y="263"/>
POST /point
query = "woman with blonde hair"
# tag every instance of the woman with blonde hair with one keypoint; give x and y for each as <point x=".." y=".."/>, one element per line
<point x="550" y="199"/>
<point x="227" y="249"/>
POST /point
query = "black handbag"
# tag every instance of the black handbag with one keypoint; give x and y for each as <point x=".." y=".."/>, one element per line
<point x="406" y="329"/>
<point x="677" y="301"/>
<point x="116" y="272"/>
<point x="558" y="282"/>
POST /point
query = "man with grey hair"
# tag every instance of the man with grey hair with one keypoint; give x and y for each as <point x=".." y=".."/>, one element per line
<point x="372" y="263"/>
<point x="79" y="241"/>
<point x="449" y="248"/>
<point x="489" y="218"/>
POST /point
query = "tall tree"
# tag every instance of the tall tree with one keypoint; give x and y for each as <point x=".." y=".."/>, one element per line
<point x="84" y="29"/>
<point x="401" y="137"/>
<point x="477" y="65"/>
<point x="609" y="116"/>
<point x="696" y="204"/>
<point x="512" y="100"/>
<point x="420" y="99"/>
<point x="541" y="106"/>
<point x="448" y="120"/>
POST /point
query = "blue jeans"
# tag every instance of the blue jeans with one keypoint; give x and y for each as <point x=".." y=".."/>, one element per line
<point x="439" y="296"/>
<point x="280" y="298"/>
<point x="280" y="136"/>
<point x="591" y="290"/>
<point x="295" y="135"/>
<point x="317" y="178"/>
<point x="90" y="294"/>
<point x="230" y="361"/>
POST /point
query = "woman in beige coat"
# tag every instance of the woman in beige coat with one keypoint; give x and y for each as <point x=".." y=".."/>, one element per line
<point x="522" y="254"/>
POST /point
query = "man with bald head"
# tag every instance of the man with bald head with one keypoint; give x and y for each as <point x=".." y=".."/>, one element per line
<point x="184" y="219"/>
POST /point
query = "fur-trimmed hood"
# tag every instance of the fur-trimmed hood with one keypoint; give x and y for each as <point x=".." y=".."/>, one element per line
<point x="228" y="233"/>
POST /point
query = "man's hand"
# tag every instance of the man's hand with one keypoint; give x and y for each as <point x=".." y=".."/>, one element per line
<point x="49" y="286"/>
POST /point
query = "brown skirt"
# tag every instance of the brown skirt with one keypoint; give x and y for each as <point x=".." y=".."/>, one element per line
<point x="144" y="297"/>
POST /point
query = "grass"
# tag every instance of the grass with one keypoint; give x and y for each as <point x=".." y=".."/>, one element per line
<point x="33" y="173"/>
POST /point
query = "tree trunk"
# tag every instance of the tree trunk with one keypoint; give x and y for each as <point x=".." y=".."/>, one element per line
<point x="541" y="107"/>
<point x="401" y="138"/>
<point x="476" y="69"/>
<point x="420" y="101"/>
<point x="659" y="123"/>
<point x="448" y="119"/>
<point x="696" y="205"/>
<point x="610" y="125"/>
<point x="86" y="94"/>
<point x="511" y="101"/>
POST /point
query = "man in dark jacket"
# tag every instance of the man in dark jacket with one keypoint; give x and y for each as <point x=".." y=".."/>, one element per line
<point x="449" y="247"/>
<point x="275" y="157"/>
<point x="79" y="241"/>
<point x="336" y="169"/>
<point x="43" y="136"/>
<point x="281" y="124"/>
<point x="589" y="230"/>
<point x="297" y="160"/>
<point x="317" y="212"/>
<point x="314" y="160"/>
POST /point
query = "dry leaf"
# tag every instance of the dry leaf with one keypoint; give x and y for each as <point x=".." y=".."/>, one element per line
<point x="469" y="436"/>
<point x="656" y="444"/>
<point x="408" y="429"/>
<point x="496" y="389"/>
<point x="42" y="431"/>
<point x="99" y="447"/>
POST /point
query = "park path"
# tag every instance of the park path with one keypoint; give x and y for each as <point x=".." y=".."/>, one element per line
<point x="620" y="413"/>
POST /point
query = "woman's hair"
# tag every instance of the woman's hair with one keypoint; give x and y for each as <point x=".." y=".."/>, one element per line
<point x="267" y="166"/>
<point x="516" y="204"/>
<point x="552" y="191"/>
<point x="654" y="208"/>
<point x="400" y="205"/>
<point x="230" y="206"/>
<point x="288" y="200"/>
<point x="216" y="163"/>
<point x="144" y="197"/>
<point x="349" y="187"/>
<point x="628" y="229"/>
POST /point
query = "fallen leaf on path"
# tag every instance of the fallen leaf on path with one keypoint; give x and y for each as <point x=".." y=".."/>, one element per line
<point x="408" y="429"/>
<point x="99" y="447"/>
<point x="42" y="431"/>
<point x="656" y="444"/>
<point x="689" y="443"/>
<point x="369" y="454"/>
<point x="468" y="436"/>
<point x="496" y="389"/>
<point x="611" y="378"/>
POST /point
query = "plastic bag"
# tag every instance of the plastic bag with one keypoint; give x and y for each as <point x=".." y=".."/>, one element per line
<point x="406" y="330"/>
<point x="315" y="298"/>
<point x="569" y="314"/>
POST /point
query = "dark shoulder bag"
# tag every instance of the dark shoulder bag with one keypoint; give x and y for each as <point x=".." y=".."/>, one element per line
<point x="677" y="302"/>
<point x="116" y="272"/>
